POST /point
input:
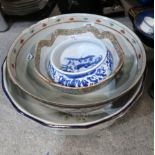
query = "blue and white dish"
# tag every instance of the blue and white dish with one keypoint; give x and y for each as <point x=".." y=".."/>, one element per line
<point x="144" y="23"/>
<point x="80" y="62"/>
<point x="105" y="54"/>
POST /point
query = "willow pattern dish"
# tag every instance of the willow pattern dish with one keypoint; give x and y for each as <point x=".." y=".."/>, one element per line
<point x="20" y="63"/>
<point x="113" y="59"/>
<point x="61" y="123"/>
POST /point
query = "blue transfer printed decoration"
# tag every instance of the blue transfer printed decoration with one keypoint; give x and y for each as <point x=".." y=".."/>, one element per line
<point x="85" y="79"/>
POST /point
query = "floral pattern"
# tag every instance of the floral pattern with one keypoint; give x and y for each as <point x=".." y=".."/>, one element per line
<point x="84" y="80"/>
<point x="77" y="64"/>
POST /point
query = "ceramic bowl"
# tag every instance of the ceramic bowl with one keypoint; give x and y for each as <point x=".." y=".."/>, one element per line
<point x="21" y="64"/>
<point x="144" y="23"/>
<point x="80" y="62"/>
<point x="90" y="45"/>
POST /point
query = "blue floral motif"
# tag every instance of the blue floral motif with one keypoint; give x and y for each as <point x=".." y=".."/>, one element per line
<point x="75" y="64"/>
<point x="101" y="72"/>
<point x="109" y="60"/>
<point x="84" y="80"/>
<point x="52" y="71"/>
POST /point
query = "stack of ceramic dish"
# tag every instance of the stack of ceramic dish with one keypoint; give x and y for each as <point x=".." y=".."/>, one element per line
<point x="75" y="73"/>
<point x="22" y="7"/>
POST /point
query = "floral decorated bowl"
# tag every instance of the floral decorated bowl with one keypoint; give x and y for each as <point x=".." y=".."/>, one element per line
<point x="28" y="57"/>
<point x="80" y="61"/>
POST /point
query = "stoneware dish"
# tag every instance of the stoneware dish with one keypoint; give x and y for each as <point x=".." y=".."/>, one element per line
<point x="97" y="63"/>
<point x="20" y="63"/>
<point x="65" y="124"/>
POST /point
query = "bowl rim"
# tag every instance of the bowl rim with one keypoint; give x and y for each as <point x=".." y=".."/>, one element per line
<point x="77" y="73"/>
<point x="84" y="15"/>
<point x="98" y="34"/>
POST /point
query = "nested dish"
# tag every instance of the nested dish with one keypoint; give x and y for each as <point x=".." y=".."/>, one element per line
<point x="88" y="42"/>
<point x="20" y="63"/>
<point x="76" y="62"/>
<point x="62" y="123"/>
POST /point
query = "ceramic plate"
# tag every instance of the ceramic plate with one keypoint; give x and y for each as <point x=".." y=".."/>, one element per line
<point x="62" y="123"/>
<point x="21" y="68"/>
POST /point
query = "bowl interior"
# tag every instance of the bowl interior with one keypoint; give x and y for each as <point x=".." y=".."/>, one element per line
<point x="77" y="55"/>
